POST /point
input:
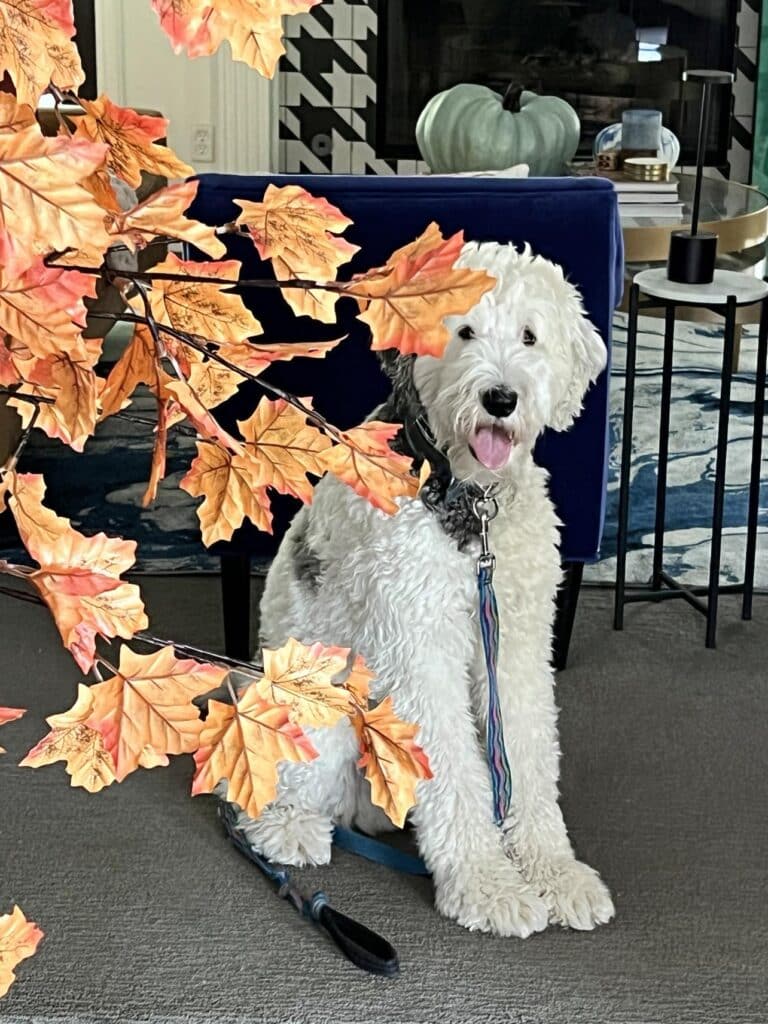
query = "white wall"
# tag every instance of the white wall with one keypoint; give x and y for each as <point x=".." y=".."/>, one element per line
<point x="136" y="67"/>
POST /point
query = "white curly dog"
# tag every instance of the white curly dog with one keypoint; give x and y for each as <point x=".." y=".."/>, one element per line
<point x="402" y="591"/>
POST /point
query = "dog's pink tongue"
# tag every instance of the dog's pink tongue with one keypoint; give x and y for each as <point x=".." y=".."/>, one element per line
<point x="491" y="446"/>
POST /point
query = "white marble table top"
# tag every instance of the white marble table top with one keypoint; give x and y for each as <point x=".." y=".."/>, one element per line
<point x="746" y="289"/>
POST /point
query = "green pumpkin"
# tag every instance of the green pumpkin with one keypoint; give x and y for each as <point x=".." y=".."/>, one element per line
<point x="472" y="128"/>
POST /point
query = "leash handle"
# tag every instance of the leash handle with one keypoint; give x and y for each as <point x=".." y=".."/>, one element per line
<point x="361" y="946"/>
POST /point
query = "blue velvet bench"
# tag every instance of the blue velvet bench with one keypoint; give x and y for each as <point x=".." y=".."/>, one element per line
<point x="573" y="221"/>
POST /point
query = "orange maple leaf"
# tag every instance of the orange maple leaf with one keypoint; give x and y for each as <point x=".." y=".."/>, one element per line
<point x="369" y="466"/>
<point x="253" y="28"/>
<point x="43" y="204"/>
<point x="162" y="215"/>
<point x="285" y="446"/>
<point x="82" y="749"/>
<point x="44" y="308"/>
<point x="145" y="712"/>
<point x="201" y="418"/>
<point x="393" y="762"/>
<point x="19" y="939"/>
<point x="131" y="139"/>
<point x="201" y="309"/>
<point x="417" y="288"/>
<point x="229" y="484"/>
<point x="15" y="116"/>
<point x="254" y="358"/>
<point x="298" y="232"/>
<point x="244" y="744"/>
<point x="303" y="678"/>
<point x="36" y="47"/>
<point x="70" y="380"/>
<point x="159" y="454"/>
<point x="79" y="577"/>
<point x="10" y="715"/>
<point x="138" y="364"/>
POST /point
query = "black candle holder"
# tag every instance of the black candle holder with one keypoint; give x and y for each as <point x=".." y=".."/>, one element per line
<point x="692" y="254"/>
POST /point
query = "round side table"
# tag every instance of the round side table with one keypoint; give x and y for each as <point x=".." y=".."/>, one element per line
<point x="729" y="292"/>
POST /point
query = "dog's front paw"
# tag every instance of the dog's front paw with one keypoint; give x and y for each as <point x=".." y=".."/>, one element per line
<point x="492" y="896"/>
<point x="575" y="894"/>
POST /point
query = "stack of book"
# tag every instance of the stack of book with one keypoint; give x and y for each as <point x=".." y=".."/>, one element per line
<point x="658" y="200"/>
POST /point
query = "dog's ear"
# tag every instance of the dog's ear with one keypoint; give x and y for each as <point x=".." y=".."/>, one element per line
<point x="588" y="360"/>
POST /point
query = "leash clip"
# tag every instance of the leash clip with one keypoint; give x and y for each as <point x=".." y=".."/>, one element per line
<point x="485" y="508"/>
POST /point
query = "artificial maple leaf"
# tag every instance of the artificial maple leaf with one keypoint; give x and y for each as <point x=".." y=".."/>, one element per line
<point x="253" y="28"/>
<point x="36" y="47"/>
<point x="15" y="116"/>
<point x="71" y="382"/>
<point x="201" y="309"/>
<point x="10" y="715"/>
<point x="162" y="215"/>
<point x="404" y="302"/>
<point x="131" y="139"/>
<point x="159" y="454"/>
<point x="286" y="447"/>
<point x="201" y="419"/>
<point x="303" y="679"/>
<point x="43" y="205"/>
<point x="392" y="761"/>
<point x="358" y="682"/>
<point x="229" y="485"/>
<point x="145" y="712"/>
<point x="44" y="308"/>
<point x="79" y="577"/>
<point x="244" y="744"/>
<point x="254" y="358"/>
<point x="9" y="374"/>
<point x="369" y="466"/>
<point x="82" y="749"/>
<point x="138" y="364"/>
<point x="19" y="939"/>
<point x="213" y="383"/>
<point x="299" y="233"/>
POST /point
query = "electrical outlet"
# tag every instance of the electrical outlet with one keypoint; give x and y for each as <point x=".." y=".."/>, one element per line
<point x="202" y="143"/>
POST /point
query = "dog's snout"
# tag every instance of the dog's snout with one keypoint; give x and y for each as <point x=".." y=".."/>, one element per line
<point x="499" y="401"/>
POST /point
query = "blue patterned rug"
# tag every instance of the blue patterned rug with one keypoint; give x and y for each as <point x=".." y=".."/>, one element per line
<point x="103" y="489"/>
<point x="692" y="445"/>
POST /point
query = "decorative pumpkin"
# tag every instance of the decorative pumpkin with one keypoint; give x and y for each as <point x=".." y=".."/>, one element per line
<point x="473" y="128"/>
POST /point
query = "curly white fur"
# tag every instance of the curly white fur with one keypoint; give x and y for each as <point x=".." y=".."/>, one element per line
<point x="398" y="591"/>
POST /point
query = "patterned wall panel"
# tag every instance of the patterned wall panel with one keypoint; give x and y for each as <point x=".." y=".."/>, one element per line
<point x="327" y="86"/>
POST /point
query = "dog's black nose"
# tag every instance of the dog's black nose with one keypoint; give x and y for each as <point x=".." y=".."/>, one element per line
<point x="499" y="401"/>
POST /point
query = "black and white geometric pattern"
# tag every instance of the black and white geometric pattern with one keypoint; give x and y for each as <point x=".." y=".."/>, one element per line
<point x="327" y="90"/>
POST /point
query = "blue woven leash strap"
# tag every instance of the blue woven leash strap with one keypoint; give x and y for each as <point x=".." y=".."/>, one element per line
<point x="486" y="509"/>
<point x="498" y="765"/>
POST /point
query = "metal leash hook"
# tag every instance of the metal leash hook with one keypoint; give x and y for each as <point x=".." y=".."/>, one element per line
<point x="485" y="509"/>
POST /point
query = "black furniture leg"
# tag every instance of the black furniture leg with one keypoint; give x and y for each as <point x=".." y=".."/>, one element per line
<point x="236" y="605"/>
<point x="626" y="458"/>
<point x="565" y="612"/>
<point x="661" y="474"/>
<point x="713" y="590"/>
<point x="757" y="457"/>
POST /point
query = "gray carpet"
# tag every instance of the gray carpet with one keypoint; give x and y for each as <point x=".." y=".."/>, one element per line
<point x="150" y="915"/>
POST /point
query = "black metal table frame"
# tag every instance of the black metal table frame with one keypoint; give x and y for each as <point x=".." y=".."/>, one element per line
<point x="662" y="586"/>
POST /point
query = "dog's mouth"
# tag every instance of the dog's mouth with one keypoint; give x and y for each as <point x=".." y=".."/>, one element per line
<point x="491" y="445"/>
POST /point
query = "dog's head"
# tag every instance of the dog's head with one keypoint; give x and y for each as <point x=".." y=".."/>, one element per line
<point x="519" y="361"/>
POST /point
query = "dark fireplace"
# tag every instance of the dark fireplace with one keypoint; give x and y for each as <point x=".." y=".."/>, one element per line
<point x="602" y="56"/>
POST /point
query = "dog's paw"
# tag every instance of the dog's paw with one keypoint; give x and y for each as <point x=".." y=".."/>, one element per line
<point x="575" y="895"/>
<point x="492" y="896"/>
<point x="290" y="835"/>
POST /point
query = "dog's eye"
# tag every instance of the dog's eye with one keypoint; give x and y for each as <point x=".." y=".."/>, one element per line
<point x="466" y="333"/>
<point x="529" y="338"/>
